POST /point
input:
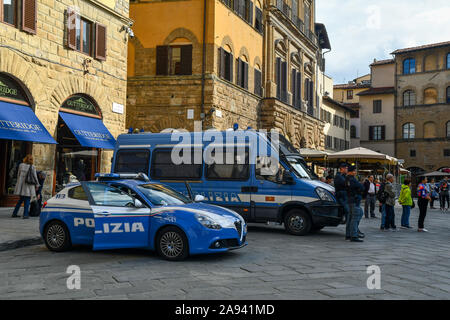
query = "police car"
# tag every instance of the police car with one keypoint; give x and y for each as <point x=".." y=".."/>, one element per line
<point x="123" y="211"/>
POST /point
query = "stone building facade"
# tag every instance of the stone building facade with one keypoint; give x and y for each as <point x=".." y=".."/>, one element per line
<point x="423" y="107"/>
<point x="218" y="65"/>
<point x="45" y="53"/>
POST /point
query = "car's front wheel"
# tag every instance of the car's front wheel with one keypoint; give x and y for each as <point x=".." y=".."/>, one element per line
<point x="57" y="237"/>
<point x="172" y="244"/>
<point x="297" y="222"/>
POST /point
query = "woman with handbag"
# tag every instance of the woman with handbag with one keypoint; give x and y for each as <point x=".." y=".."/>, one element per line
<point x="27" y="183"/>
<point x="424" y="197"/>
<point x="407" y="203"/>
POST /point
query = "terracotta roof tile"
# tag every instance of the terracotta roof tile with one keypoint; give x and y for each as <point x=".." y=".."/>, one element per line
<point x="424" y="47"/>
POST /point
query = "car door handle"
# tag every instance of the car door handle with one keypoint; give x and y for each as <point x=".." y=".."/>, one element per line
<point x="104" y="213"/>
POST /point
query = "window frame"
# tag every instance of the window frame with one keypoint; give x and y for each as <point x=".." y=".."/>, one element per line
<point x="448" y="61"/>
<point x="161" y="150"/>
<point x="91" y="38"/>
<point x="15" y="13"/>
<point x="108" y="185"/>
<point x="408" y="71"/>
<point x="410" y="93"/>
<point x="131" y="150"/>
<point x="448" y="129"/>
<point x="377" y="106"/>
<point x="411" y="127"/>
<point x="447" y="95"/>
<point x="349" y="94"/>
<point x="71" y="191"/>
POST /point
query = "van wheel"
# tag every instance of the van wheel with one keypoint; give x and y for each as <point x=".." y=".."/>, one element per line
<point x="172" y="244"/>
<point x="297" y="222"/>
<point x="57" y="237"/>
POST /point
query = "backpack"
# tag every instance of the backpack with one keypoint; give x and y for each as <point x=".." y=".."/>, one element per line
<point x="30" y="178"/>
<point x="381" y="195"/>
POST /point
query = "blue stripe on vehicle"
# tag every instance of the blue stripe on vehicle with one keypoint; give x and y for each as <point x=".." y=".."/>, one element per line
<point x="69" y="208"/>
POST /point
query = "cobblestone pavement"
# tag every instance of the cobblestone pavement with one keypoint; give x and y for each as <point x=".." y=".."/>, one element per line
<point x="274" y="265"/>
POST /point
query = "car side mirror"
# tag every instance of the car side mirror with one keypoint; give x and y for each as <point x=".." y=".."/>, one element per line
<point x="138" y="204"/>
<point x="199" y="198"/>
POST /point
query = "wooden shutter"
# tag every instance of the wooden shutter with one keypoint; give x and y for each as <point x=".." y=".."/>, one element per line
<point x="258" y="82"/>
<point x="284" y="81"/>
<point x="236" y="5"/>
<point x="278" y="77"/>
<point x="162" y="60"/>
<point x="383" y="132"/>
<point x="186" y="60"/>
<point x="250" y="12"/>
<point x="311" y="93"/>
<point x="221" y="63"/>
<point x="29" y="16"/>
<point x="245" y="75"/>
<point x="100" y="42"/>
<point x="71" y="29"/>
<point x="258" y="19"/>
<point x="294" y="86"/>
<point x="370" y="133"/>
<point x="239" y="72"/>
<point x="299" y="90"/>
<point x="231" y="59"/>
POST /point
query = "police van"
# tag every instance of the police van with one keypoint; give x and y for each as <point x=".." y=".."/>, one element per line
<point x="259" y="175"/>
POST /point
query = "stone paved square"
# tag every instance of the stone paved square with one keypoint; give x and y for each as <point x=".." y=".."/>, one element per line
<point x="274" y="265"/>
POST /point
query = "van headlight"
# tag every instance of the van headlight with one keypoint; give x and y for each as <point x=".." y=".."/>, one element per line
<point x="208" y="222"/>
<point x="324" y="195"/>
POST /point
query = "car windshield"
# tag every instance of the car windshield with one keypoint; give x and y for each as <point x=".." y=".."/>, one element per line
<point x="301" y="169"/>
<point x="160" y="195"/>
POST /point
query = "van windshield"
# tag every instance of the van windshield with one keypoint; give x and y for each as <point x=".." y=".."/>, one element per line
<point x="160" y="195"/>
<point x="301" y="169"/>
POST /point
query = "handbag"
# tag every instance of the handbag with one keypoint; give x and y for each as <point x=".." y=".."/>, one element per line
<point x="34" y="209"/>
<point x="30" y="178"/>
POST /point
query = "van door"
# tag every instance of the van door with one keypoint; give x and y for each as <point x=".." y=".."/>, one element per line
<point x="270" y="190"/>
<point x="228" y="183"/>
<point x="118" y="222"/>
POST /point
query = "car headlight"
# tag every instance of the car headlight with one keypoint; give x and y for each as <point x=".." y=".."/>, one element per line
<point x="324" y="195"/>
<point x="208" y="222"/>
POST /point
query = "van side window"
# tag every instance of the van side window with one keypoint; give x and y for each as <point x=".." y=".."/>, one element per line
<point x="239" y="170"/>
<point x="132" y="161"/>
<point x="164" y="168"/>
<point x="266" y="170"/>
<point x="78" y="193"/>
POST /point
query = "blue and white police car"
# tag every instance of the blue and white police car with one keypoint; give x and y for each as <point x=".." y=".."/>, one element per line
<point x="119" y="211"/>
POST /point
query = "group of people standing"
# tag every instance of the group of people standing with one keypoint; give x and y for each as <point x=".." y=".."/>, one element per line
<point x="350" y="192"/>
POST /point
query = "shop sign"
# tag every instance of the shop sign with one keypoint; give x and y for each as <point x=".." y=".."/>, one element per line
<point x="9" y="89"/>
<point x="81" y="104"/>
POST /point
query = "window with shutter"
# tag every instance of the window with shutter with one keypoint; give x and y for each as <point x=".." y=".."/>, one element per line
<point x="258" y="83"/>
<point x="71" y="29"/>
<point x="8" y="11"/>
<point x="250" y="12"/>
<point x="258" y="20"/>
<point x="239" y="72"/>
<point x="278" y="77"/>
<point x="284" y="81"/>
<point x="162" y="60"/>
<point x="29" y="15"/>
<point x="100" y="42"/>
<point x="294" y="87"/>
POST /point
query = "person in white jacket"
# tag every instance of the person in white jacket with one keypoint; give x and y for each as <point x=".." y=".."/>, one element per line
<point x="23" y="189"/>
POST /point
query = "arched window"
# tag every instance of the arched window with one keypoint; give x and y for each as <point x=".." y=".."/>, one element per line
<point x="409" y="66"/>
<point x="448" y="95"/>
<point x="448" y="129"/>
<point x="409" y="98"/>
<point x="448" y="60"/>
<point x="353" y="132"/>
<point x="409" y="131"/>
<point x="430" y="96"/>
<point x="226" y="63"/>
<point x="242" y="72"/>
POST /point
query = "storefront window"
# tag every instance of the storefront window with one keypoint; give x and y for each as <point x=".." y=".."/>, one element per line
<point x="17" y="150"/>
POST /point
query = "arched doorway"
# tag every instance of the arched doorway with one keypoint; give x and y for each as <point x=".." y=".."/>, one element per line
<point x="81" y="136"/>
<point x="19" y="129"/>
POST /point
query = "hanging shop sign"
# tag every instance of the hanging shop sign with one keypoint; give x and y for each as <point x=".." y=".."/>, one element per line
<point x="81" y="104"/>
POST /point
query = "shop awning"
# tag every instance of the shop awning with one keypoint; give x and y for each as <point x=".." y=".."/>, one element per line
<point x="90" y="132"/>
<point x="18" y="122"/>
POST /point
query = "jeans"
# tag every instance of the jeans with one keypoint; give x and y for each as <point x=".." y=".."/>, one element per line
<point x="390" y="217"/>
<point x="405" y="216"/>
<point x="445" y="198"/>
<point x="26" y="206"/>
<point x="356" y="214"/>
<point x="423" y="205"/>
<point x="383" y="215"/>
<point x="370" y="201"/>
<point x="343" y="203"/>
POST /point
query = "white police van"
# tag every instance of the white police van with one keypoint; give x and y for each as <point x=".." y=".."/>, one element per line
<point x="266" y="180"/>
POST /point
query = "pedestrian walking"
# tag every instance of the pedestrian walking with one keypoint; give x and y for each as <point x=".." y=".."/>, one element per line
<point x="406" y="201"/>
<point x="390" y="204"/>
<point x="355" y="190"/>
<point x="433" y="192"/>
<point x="36" y="206"/>
<point x="341" y="194"/>
<point x="370" y="194"/>
<point x="381" y="196"/>
<point x="26" y="186"/>
<point x="444" y="194"/>
<point x="424" y="198"/>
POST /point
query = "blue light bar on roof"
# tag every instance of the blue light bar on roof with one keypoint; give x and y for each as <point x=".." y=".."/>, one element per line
<point x="114" y="176"/>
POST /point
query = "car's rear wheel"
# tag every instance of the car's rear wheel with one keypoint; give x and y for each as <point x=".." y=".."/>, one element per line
<point x="297" y="222"/>
<point x="57" y="237"/>
<point x="172" y="244"/>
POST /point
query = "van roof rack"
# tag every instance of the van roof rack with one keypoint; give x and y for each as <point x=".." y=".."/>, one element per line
<point x="115" y="176"/>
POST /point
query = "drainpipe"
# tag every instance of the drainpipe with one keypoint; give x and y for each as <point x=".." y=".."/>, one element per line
<point x="202" y="106"/>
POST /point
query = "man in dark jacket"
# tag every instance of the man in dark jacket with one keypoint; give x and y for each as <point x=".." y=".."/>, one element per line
<point x="341" y="194"/>
<point x="355" y="191"/>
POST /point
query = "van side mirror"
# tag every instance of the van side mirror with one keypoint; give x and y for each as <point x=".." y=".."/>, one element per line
<point x="287" y="178"/>
<point x="199" y="198"/>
